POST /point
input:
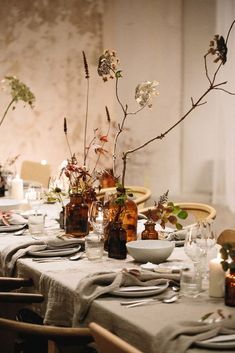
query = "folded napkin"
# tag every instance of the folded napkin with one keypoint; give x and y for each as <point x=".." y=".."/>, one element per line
<point x="97" y="284"/>
<point x="13" y="252"/>
<point x="179" y="337"/>
<point x="12" y="219"/>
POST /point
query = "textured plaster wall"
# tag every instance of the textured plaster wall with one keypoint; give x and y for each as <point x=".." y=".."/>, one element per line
<point x="41" y="43"/>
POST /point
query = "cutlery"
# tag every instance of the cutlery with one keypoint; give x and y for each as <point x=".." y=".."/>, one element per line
<point x="133" y="303"/>
<point x="76" y="256"/>
<point x="49" y="259"/>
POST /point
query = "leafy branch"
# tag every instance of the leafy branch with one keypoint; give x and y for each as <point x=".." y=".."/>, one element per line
<point x="219" y="48"/>
<point x="164" y="212"/>
<point x="19" y="92"/>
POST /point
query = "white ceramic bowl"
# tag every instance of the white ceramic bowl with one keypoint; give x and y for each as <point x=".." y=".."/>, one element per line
<point x="155" y="251"/>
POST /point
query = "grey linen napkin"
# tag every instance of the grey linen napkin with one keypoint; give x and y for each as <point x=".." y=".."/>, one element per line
<point x="13" y="252"/>
<point x="97" y="284"/>
<point x="179" y="337"/>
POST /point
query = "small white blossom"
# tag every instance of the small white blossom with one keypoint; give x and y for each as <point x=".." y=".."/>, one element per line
<point x="144" y="93"/>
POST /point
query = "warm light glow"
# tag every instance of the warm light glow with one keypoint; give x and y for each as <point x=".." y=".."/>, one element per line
<point x="44" y="162"/>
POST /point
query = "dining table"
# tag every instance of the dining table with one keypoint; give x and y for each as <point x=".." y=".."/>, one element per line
<point x="145" y="326"/>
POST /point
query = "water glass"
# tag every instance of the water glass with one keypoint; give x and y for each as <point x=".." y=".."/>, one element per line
<point x="36" y="223"/>
<point x="94" y="246"/>
<point x="190" y="282"/>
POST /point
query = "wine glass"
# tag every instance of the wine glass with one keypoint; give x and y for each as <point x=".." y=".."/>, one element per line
<point x="206" y="241"/>
<point x="34" y="196"/>
<point x="200" y="238"/>
<point x="191" y="244"/>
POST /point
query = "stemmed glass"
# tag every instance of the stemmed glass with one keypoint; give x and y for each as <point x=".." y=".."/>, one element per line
<point x="94" y="242"/>
<point x="34" y="196"/>
<point x="200" y="238"/>
<point x="98" y="217"/>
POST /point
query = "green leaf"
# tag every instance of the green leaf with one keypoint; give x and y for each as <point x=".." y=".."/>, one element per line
<point x="178" y="226"/>
<point x="182" y="214"/>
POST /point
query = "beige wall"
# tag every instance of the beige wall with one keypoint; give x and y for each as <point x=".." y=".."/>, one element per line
<point x="41" y="43"/>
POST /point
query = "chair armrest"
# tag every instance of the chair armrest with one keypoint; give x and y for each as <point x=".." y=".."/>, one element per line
<point x="11" y="283"/>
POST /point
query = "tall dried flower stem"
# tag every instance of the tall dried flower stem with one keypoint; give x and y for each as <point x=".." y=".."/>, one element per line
<point x="121" y="126"/>
<point x="212" y="86"/>
<point x="87" y="105"/>
<point x="7" y="109"/>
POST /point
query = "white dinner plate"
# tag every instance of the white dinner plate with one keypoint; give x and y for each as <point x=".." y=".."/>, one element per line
<point x="219" y="342"/>
<point x="170" y="266"/>
<point x="11" y="228"/>
<point x="54" y="252"/>
<point x="135" y="291"/>
<point x="8" y="204"/>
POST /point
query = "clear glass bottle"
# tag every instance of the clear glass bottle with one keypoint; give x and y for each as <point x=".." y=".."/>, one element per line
<point x="76" y="217"/>
<point x="117" y="241"/>
<point x="149" y="232"/>
<point x="229" y="295"/>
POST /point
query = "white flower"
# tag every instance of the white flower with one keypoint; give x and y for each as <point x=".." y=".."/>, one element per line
<point x="145" y="91"/>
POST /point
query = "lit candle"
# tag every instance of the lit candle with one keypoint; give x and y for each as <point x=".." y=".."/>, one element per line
<point x="17" y="188"/>
<point x="216" y="278"/>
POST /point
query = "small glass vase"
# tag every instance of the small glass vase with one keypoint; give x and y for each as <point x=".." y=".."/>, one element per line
<point x="117" y="241"/>
<point x="149" y="232"/>
<point x="229" y="295"/>
<point x="126" y="213"/>
<point x="76" y="217"/>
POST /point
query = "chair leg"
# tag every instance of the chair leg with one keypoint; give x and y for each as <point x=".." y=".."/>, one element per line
<point x="52" y="347"/>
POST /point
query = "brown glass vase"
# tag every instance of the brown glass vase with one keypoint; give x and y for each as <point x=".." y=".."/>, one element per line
<point x="229" y="295"/>
<point x="76" y="217"/>
<point x="149" y="232"/>
<point x="117" y="241"/>
<point x="126" y="212"/>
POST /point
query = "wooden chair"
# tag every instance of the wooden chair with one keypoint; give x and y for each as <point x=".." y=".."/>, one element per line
<point x="10" y="283"/>
<point x="141" y="194"/>
<point x="50" y="336"/>
<point x="35" y="172"/>
<point x="54" y="335"/>
<point x="196" y="212"/>
<point x="107" y="342"/>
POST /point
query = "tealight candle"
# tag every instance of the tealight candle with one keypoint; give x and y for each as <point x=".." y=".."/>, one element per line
<point x="216" y="278"/>
<point x="17" y="188"/>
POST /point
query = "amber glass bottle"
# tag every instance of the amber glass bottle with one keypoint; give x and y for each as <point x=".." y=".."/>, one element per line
<point x="76" y="216"/>
<point x="117" y="241"/>
<point x="126" y="212"/>
<point x="149" y="232"/>
<point x="229" y="295"/>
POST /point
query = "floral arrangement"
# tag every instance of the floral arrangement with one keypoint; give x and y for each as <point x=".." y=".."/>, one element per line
<point x="144" y="92"/>
<point x="166" y="212"/>
<point x="80" y="178"/>
<point x="19" y="92"/>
